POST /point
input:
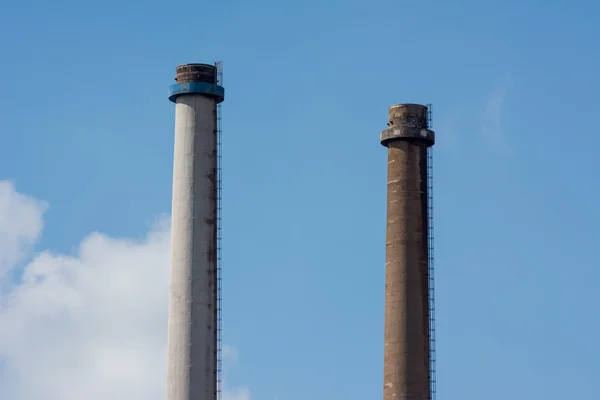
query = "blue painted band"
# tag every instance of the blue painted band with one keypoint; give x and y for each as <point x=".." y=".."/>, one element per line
<point x="208" y="89"/>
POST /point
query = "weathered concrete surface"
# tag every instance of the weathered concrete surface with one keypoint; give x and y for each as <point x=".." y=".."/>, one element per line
<point x="192" y="334"/>
<point x="406" y="335"/>
<point x="407" y="122"/>
<point x="196" y="73"/>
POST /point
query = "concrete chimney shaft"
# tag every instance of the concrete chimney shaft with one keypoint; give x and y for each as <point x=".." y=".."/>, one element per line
<point x="192" y="327"/>
<point x="406" y="333"/>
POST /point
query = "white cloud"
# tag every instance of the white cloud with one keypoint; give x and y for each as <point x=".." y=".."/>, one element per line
<point x="92" y="325"/>
<point x="237" y="394"/>
<point x="20" y="224"/>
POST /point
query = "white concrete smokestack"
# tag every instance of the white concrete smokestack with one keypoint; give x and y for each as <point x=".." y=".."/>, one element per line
<point x="192" y="369"/>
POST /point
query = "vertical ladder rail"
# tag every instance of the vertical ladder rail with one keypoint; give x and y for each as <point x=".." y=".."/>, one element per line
<point x="219" y="377"/>
<point x="432" y="352"/>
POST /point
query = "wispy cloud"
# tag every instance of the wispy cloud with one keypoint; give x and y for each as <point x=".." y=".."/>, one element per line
<point x="491" y="125"/>
<point x="446" y="129"/>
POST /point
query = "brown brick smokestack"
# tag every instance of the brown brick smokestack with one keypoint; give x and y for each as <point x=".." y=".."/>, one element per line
<point x="406" y="337"/>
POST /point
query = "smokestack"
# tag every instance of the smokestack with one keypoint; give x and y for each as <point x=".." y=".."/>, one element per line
<point x="407" y="281"/>
<point x="193" y="333"/>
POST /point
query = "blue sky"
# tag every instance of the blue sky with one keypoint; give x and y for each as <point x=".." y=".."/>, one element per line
<point x="86" y="126"/>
